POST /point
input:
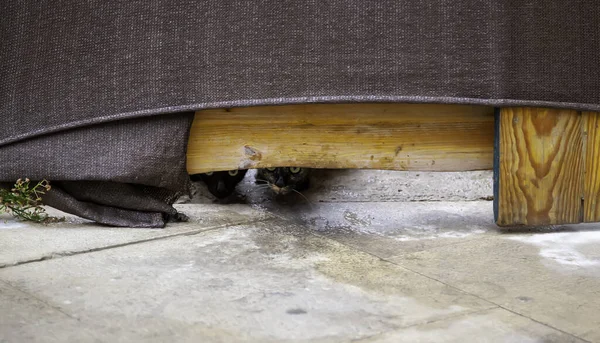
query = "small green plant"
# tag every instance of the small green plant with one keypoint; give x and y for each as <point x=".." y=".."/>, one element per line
<point x="24" y="201"/>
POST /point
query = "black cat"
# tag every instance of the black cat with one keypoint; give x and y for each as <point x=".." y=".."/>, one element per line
<point x="284" y="180"/>
<point x="222" y="183"/>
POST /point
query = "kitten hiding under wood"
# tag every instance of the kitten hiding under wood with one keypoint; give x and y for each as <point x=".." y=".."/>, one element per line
<point x="222" y="183"/>
<point x="284" y="180"/>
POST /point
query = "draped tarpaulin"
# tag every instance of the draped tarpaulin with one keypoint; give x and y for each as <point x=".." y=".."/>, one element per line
<point x="96" y="95"/>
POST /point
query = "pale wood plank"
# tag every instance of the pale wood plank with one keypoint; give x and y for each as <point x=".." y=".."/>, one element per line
<point x="540" y="167"/>
<point x="366" y="136"/>
<point x="591" y="212"/>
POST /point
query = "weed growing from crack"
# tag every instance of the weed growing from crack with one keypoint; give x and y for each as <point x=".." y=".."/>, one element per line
<point x="24" y="201"/>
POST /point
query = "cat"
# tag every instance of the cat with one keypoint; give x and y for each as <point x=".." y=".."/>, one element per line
<point x="222" y="183"/>
<point x="284" y="180"/>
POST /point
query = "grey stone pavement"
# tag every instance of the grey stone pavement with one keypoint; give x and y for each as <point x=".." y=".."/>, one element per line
<point x="369" y="256"/>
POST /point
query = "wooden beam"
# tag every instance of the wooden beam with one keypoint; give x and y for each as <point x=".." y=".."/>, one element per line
<point x="591" y="212"/>
<point x="540" y="167"/>
<point x="366" y="136"/>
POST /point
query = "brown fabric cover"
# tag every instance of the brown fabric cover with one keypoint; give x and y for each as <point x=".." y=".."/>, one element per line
<point x="69" y="64"/>
<point x="123" y="173"/>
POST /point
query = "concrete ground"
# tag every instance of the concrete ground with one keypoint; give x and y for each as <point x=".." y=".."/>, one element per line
<point x="371" y="256"/>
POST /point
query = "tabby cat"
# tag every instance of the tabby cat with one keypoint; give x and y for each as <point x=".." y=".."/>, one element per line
<point x="284" y="180"/>
<point x="222" y="183"/>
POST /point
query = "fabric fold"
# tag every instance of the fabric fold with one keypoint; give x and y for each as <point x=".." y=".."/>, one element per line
<point x="126" y="173"/>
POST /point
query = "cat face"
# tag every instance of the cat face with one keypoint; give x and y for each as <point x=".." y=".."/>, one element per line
<point x="284" y="180"/>
<point x="222" y="183"/>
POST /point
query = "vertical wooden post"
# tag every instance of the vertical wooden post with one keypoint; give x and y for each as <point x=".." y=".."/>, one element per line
<point x="539" y="169"/>
<point x="591" y="211"/>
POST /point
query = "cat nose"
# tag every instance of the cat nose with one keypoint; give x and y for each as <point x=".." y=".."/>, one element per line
<point x="279" y="182"/>
<point x="221" y="187"/>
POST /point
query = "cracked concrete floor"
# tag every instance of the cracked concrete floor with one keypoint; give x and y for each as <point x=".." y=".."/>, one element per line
<point x="374" y="257"/>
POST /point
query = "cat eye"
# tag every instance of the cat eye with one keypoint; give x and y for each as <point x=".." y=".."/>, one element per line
<point x="294" y="170"/>
<point x="233" y="172"/>
<point x="271" y="169"/>
<point x="209" y="173"/>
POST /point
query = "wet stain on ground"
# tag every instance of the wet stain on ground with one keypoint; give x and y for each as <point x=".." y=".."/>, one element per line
<point x="296" y="311"/>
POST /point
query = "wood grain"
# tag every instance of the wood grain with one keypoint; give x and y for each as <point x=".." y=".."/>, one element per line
<point x="591" y="212"/>
<point x="541" y="167"/>
<point x="365" y="136"/>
